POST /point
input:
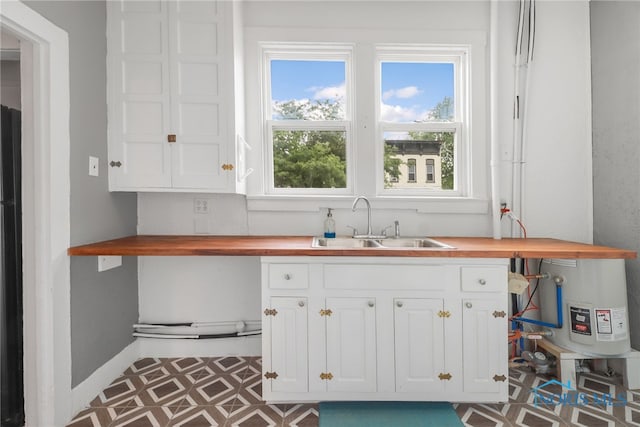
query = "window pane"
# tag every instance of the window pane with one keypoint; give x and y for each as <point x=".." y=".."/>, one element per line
<point x="307" y="90"/>
<point x="417" y="92"/>
<point x="309" y="159"/>
<point x="411" y="170"/>
<point x="419" y="160"/>
<point x="431" y="170"/>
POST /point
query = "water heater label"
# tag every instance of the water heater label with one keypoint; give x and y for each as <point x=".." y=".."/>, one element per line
<point x="611" y="324"/>
<point x="580" y="320"/>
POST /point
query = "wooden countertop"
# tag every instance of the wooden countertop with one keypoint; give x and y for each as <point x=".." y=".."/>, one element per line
<point x="465" y="247"/>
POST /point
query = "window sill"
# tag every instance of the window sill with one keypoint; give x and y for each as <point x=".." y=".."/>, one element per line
<point x="445" y="205"/>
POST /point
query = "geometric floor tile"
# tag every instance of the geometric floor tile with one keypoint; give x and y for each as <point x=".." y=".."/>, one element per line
<point x="200" y="416"/>
<point x="94" y="417"/>
<point x="303" y="415"/>
<point x="256" y="415"/>
<point x="227" y="391"/>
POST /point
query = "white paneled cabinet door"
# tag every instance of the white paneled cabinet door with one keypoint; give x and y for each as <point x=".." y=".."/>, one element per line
<point x="351" y="344"/>
<point x="419" y="344"/>
<point x="288" y="367"/>
<point x="139" y="101"/>
<point x="199" y="151"/>
<point x="171" y="95"/>
<point x="485" y="350"/>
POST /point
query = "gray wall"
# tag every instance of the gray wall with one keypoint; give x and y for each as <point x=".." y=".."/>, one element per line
<point x="615" y="53"/>
<point x="103" y="305"/>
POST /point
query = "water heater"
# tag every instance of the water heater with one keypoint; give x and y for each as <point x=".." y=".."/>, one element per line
<point x="594" y="305"/>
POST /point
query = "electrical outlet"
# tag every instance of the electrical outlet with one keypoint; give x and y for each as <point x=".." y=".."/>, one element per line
<point x="93" y="166"/>
<point x="201" y="206"/>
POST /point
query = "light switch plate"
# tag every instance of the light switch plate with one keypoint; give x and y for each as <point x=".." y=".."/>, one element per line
<point x="93" y="166"/>
<point x="108" y="262"/>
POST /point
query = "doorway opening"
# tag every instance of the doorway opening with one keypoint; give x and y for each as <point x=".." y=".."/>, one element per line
<point x="11" y="312"/>
<point x="44" y="59"/>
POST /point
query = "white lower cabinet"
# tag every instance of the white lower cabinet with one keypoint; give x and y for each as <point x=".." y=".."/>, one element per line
<point x="351" y="344"/>
<point x="419" y="345"/>
<point x="484" y="328"/>
<point x="358" y="328"/>
<point x="287" y="318"/>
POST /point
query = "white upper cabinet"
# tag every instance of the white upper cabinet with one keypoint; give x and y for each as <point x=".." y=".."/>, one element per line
<point x="175" y="96"/>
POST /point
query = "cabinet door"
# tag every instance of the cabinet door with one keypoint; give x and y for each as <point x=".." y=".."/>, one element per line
<point x="138" y="91"/>
<point x="419" y="345"/>
<point x="287" y="368"/>
<point x="351" y="344"/>
<point x="485" y="349"/>
<point x="198" y="118"/>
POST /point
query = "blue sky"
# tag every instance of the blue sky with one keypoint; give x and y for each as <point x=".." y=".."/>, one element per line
<point x="409" y="90"/>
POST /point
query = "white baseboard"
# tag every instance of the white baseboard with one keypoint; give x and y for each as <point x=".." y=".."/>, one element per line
<point x="83" y="393"/>
<point x="242" y="346"/>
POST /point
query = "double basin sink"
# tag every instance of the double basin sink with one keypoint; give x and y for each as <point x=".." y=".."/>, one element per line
<point x="390" y="242"/>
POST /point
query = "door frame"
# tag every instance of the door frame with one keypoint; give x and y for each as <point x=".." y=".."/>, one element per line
<point x="46" y="213"/>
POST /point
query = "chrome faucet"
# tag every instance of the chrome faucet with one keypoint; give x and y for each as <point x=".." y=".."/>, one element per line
<point x="353" y="209"/>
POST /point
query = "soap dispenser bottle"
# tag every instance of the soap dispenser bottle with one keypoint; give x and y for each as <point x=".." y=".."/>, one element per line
<point x="329" y="226"/>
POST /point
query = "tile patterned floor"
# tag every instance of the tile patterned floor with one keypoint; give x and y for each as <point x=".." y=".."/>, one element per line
<point x="205" y="392"/>
<point x="589" y="405"/>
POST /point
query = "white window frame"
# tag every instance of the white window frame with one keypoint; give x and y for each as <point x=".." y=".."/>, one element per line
<point x="458" y="56"/>
<point x="310" y="52"/>
<point x="363" y="151"/>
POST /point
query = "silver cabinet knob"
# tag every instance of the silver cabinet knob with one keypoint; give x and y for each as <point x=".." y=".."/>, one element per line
<point x="371" y="303"/>
<point x="468" y="305"/>
<point x="300" y="303"/>
<point x="287" y="276"/>
<point x="482" y="282"/>
<point x="399" y="304"/>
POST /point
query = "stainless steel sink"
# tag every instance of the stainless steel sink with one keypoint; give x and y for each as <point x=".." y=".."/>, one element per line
<point x="344" y="242"/>
<point x="402" y="242"/>
<point x="414" y="242"/>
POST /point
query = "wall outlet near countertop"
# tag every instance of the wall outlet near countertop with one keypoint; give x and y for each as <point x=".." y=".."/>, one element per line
<point x="201" y="206"/>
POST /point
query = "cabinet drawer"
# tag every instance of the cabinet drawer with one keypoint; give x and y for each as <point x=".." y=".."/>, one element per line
<point x="483" y="279"/>
<point x="288" y="276"/>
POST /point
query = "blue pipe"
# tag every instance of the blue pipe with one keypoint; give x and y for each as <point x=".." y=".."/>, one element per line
<point x="559" y="315"/>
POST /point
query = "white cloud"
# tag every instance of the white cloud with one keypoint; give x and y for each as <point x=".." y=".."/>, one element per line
<point x="396" y="113"/>
<point x="330" y="92"/>
<point x="402" y="93"/>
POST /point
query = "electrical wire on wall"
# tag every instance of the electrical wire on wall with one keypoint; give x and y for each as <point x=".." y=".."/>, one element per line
<point x="523" y="64"/>
<point x="518" y="334"/>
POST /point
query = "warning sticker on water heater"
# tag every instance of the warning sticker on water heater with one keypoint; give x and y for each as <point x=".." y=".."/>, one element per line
<point x="611" y="324"/>
<point x="580" y="320"/>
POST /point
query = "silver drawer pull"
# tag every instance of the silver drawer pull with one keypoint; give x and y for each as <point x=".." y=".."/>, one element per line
<point x="468" y="305"/>
<point x="287" y="276"/>
<point x="300" y="303"/>
<point x="482" y="282"/>
<point x="399" y="304"/>
<point x="371" y="303"/>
